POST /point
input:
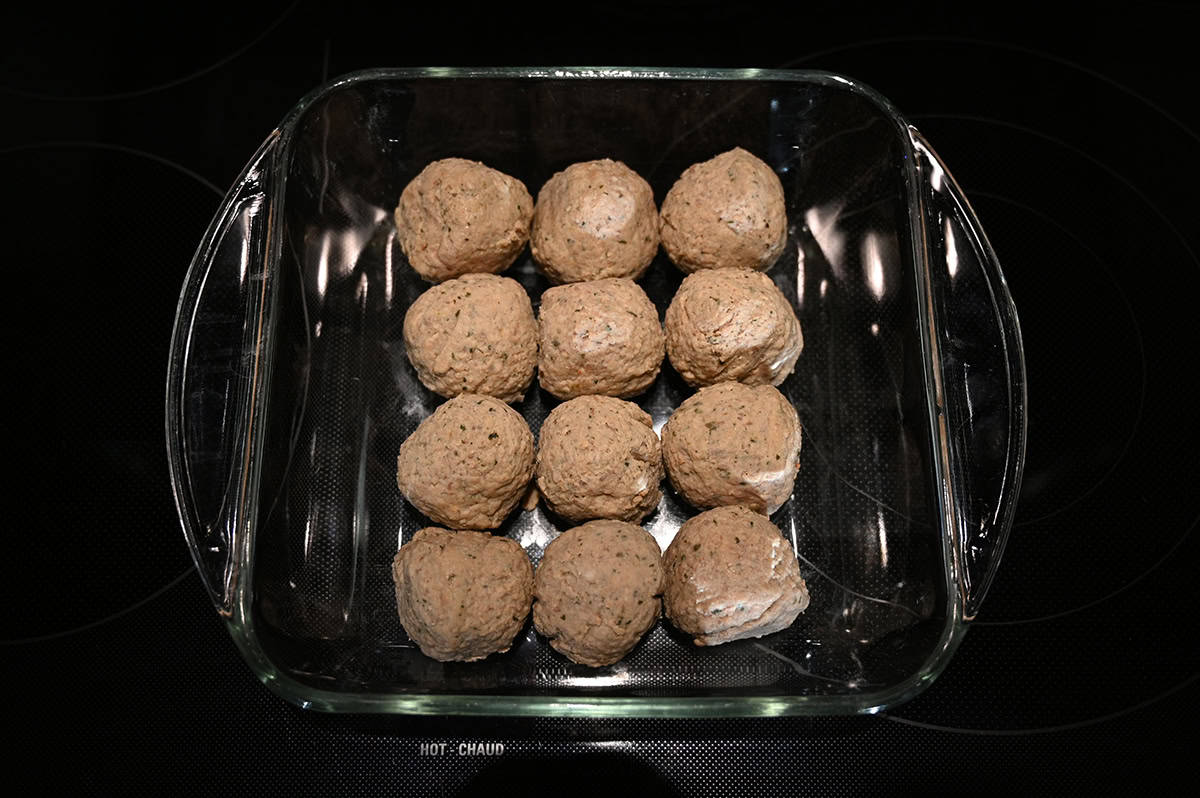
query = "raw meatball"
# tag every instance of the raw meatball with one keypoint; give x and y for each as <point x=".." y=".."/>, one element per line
<point x="598" y="457"/>
<point x="730" y="575"/>
<point x="731" y="443"/>
<point x="732" y="324"/>
<point x="724" y="212"/>
<point x="600" y="337"/>
<point x="459" y="216"/>
<point x="467" y="465"/>
<point x="473" y="334"/>
<point x="594" y="219"/>
<point x="597" y="590"/>
<point x="462" y="595"/>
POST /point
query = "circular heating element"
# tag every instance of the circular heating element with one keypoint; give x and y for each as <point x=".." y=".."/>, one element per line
<point x="94" y="525"/>
<point x="53" y="65"/>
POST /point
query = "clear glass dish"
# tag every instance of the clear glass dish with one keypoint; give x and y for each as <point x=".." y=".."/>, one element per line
<point x="289" y="392"/>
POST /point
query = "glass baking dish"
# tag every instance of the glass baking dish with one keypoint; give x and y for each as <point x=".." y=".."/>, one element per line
<point x="289" y="392"/>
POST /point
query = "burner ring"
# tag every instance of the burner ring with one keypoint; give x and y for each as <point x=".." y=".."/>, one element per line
<point x="106" y="234"/>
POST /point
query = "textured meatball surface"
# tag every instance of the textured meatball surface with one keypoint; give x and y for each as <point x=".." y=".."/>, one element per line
<point x="731" y="443"/>
<point x="459" y="216"/>
<point x="598" y="337"/>
<point x="468" y="464"/>
<point x="592" y="220"/>
<point x="732" y="324"/>
<point x="473" y="334"/>
<point x="598" y="457"/>
<point x="725" y="212"/>
<point x="730" y="574"/>
<point x="596" y="591"/>
<point x="462" y="595"/>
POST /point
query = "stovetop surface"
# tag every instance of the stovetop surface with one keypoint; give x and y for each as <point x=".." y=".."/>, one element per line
<point x="1076" y="141"/>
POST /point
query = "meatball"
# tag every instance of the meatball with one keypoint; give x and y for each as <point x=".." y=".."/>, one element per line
<point x="592" y="220"/>
<point x="731" y="443"/>
<point x="727" y="211"/>
<point x="730" y="574"/>
<point x="599" y="337"/>
<point x="462" y="595"/>
<point x="598" y="457"/>
<point x="596" y="591"/>
<point x="468" y="464"/>
<point x="732" y="324"/>
<point x="459" y="216"/>
<point x="473" y="334"/>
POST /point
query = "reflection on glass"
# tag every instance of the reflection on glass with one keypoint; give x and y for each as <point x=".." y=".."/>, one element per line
<point x="308" y="538"/>
<point x="799" y="275"/>
<point x="244" y="254"/>
<point x="339" y="249"/>
<point x="388" y="247"/>
<point x="615" y="679"/>
<point x="539" y="532"/>
<point x="872" y="260"/>
<point x="937" y="175"/>
<point x="951" y="250"/>
<point x="882" y="531"/>
<point x="822" y="223"/>
<point x="323" y="266"/>
<point x="666" y="522"/>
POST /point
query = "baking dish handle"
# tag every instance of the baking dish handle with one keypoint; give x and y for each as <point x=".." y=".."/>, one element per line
<point x="213" y="360"/>
<point x="979" y="376"/>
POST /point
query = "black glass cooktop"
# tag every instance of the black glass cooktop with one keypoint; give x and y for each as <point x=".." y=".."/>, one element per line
<point x="1076" y="141"/>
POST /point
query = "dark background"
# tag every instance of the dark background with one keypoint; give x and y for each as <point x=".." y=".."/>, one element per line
<point x="1074" y="135"/>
